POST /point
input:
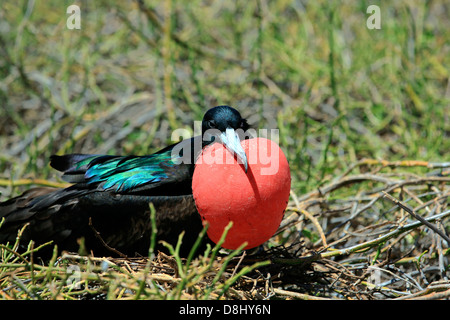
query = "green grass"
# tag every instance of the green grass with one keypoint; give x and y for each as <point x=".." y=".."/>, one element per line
<point x="337" y="91"/>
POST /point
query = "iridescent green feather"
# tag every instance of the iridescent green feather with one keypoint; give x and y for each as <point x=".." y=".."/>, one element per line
<point x="126" y="173"/>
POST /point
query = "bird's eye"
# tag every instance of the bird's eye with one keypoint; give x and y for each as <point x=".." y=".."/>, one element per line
<point x="211" y="123"/>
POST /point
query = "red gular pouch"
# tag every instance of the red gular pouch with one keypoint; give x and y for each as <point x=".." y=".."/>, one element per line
<point x="254" y="201"/>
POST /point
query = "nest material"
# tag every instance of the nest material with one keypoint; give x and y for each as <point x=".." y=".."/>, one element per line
<point x="379" y="234"/>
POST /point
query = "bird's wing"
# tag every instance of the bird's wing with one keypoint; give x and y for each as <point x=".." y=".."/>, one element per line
<point x="125" y="174"/>
<point x="121" y="173"/>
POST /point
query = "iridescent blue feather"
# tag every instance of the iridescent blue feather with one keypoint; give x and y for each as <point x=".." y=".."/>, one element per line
<point x="126" y="173"/>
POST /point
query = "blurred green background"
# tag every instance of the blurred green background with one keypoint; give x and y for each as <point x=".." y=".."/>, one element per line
<point x="337" y="91"/>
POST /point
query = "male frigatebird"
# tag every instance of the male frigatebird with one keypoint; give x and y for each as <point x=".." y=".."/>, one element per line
<point x="108" y="203"/>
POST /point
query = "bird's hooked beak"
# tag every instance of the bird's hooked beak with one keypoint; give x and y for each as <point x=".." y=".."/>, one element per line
<point x="232" y="142"/>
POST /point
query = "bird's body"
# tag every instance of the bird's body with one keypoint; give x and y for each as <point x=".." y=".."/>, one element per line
<point x="108" y="204"/>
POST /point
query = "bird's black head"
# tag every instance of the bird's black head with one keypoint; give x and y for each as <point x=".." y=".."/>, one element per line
<point x="223" y="117"/>
<point x="225" y="125"/>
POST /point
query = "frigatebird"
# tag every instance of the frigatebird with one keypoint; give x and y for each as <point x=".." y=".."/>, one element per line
<point x="108" y="203"/>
